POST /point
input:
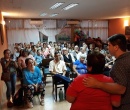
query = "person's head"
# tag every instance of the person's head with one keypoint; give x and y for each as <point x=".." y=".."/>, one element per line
<point x="25" y="53"/>
<point x="92" y="46"/>
<point x="76" y="48"/>
<point x="57" y="56"/>
<point x="7" y="53"/>
<point x="65" y="51"/>
<point x="16" y="49"/>
<point x="116" y="44"/>
<point x="82" y="49"/>
<point x="95" y="62"/>
<point x="38" y="52"/>
<point x="97" y="49"/>
<point x="29" y="63"/>
<point x="82" y="58"/>
<point x="44" y="45"/>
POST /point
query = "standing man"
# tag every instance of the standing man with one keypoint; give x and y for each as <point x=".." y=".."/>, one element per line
<point x="120" y="72"/>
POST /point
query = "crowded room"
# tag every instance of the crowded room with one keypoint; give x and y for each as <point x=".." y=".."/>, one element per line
<point x="64" y="55"/>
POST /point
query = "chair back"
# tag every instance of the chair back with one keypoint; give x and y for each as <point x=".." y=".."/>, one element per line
<point x="45" y="62"/>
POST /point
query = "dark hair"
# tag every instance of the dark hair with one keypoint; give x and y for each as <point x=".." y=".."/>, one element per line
<point x="38" y="50"/>
<point x="96" y="60"/>
<point x="25" y="51"/>
<point x="50" y="42"/>
<point x="56" y="53"/>
<point x="6" y="51"/>
<point x="120" y="40"/>
<point x="26" y="61"/>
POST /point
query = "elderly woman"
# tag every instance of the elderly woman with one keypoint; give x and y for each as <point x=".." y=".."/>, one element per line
<point x="79" y="66"/>
<point x="85" y="98"/>
<point x="32" y="82"/>
<point x="9" y="75"/>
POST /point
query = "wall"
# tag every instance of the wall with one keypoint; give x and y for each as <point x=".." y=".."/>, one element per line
<point x="116" y="26"/>
<point x="2" y="48"/>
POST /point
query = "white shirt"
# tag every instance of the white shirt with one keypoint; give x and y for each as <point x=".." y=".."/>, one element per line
<point x="59" y="67"/>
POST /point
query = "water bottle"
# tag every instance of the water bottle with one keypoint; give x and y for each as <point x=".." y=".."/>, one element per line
<point x="60" y="94"/>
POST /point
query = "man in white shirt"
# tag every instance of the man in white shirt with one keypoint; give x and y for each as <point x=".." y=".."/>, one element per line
<point x="58" y="68"/>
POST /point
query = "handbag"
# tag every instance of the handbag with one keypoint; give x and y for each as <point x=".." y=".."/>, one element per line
<point x="5" y="76"/>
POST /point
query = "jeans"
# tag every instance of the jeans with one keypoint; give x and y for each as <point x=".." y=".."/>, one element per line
<point x="58" y="78"/>
<point x="11" y="86"/>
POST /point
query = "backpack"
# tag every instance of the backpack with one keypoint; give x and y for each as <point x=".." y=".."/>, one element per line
<point x="18" y="99"/>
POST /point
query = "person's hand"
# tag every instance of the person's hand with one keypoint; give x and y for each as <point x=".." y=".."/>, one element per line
<point x="10" y="60"/>
<point x="91" y="82"/>
<point x="78" y="74"/>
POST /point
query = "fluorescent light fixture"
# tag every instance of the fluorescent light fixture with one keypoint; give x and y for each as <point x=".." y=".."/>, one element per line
<point x="55" y="14"/>
<point x="57" y="5"/>
<point x="70" y="6"/>
<point x="43" y="14"/>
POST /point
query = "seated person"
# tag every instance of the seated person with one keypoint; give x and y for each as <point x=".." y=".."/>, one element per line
<point x="67" y="59"/>
<point x="83" y="97"/>
<point x="32" y="82"/>
<point x="57" y="67"/>
<point x="79" y="66"/>
<point x="74" y="53"/>
<point x="38" y="58"/>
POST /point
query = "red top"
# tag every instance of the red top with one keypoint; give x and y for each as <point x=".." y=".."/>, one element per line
<point x="89" y="98"/>
<point x="76" y="38"/>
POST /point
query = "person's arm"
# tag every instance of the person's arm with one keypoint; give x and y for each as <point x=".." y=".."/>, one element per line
<point x="26" y="78"/>
<point x="52" y="72"/>
<point x="51" y="67"/>
<point x="39" y="80"/>
<point x="15" y="64"/>
<point x="64" y="72"/>
<point x="74" y="69"/>
<point x="64" y="69"/>
<point x="5" y="63"/>
<point x="113" y="88"/>
<point x="20" y="63"/>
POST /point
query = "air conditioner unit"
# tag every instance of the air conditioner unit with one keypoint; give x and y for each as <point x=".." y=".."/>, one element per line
<point x="36" y="22"/>
<point x="73" y="22"/>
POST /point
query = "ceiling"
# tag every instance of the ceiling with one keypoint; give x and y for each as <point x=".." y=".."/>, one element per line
<point x="87" y="9"/>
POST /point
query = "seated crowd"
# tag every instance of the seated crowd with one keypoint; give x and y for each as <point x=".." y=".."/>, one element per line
<point x="27" y="59"/>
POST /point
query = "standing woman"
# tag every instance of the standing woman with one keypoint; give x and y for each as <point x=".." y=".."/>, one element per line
<point x="9" y="75"/>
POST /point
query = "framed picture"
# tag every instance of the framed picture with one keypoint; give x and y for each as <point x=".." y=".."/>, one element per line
<point x="127" y="30"/>
<point x="1" y="34"/>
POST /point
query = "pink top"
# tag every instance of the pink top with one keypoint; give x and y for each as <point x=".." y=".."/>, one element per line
<point x="21" y="60"/>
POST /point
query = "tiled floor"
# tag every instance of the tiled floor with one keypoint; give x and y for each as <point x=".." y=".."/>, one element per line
<point x="49" y="103"/>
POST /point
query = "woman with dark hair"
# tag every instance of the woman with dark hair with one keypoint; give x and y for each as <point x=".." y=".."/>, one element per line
<point x="9" y="75"/>
<point x="84" y="98"/>
<point x="32" y="82"/>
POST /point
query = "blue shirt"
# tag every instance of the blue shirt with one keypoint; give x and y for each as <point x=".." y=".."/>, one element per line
<point x="30" y="78"/>
<point x="38" y="59"/>
<point x="80" y="67"/>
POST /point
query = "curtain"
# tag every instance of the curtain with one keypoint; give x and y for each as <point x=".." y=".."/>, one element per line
<point x="20" y="30"/>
